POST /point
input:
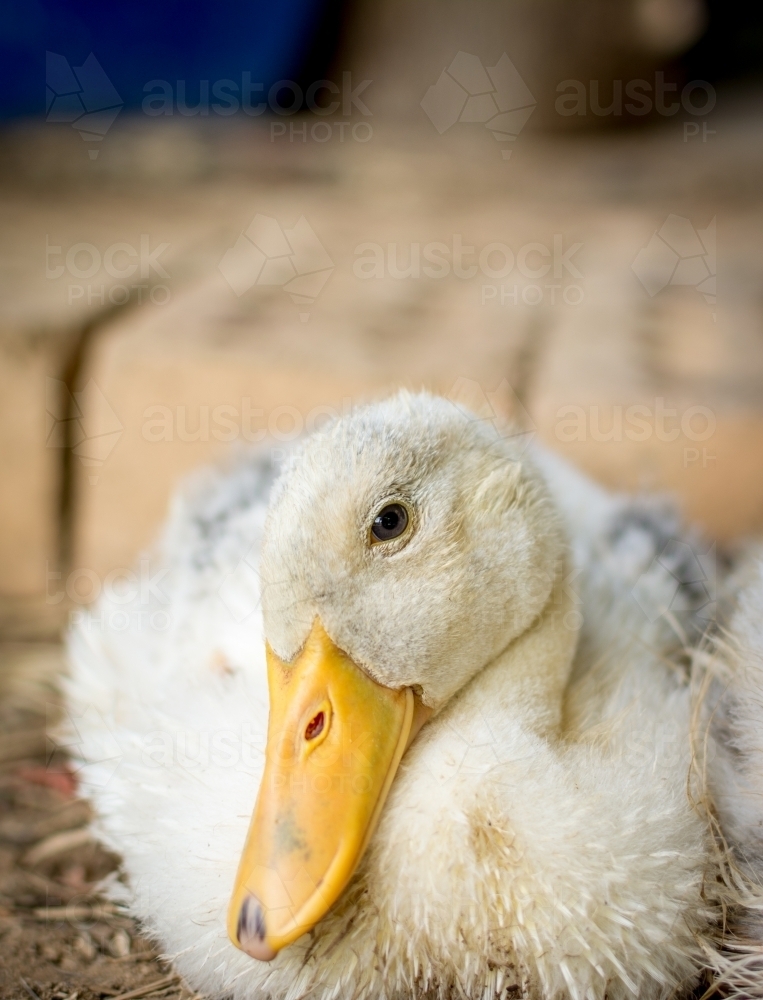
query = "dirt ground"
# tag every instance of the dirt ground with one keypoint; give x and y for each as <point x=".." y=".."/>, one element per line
<point x="58" y="937"/>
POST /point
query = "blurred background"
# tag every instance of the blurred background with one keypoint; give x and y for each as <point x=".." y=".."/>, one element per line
<point x="222" y="223"/>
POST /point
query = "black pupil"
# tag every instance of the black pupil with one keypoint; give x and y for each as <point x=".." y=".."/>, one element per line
<point x="390" y="522"/>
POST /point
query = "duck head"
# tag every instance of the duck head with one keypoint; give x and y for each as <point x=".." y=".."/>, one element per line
<point x="405" y="548"/>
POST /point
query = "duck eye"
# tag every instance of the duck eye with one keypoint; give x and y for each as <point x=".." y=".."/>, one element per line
<point x="390" y="522"/>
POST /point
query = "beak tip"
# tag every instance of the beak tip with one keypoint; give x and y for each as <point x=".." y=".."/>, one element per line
<point x="251" y="930"/>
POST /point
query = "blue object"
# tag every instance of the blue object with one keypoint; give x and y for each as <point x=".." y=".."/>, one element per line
<point x="102" y="55"/>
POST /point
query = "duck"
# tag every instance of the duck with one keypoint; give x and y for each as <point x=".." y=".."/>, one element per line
<point x="407" y="717"/>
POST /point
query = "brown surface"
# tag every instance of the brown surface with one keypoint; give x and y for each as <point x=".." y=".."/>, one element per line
<point x="617" y="348"/>
<point x="207" y="347"/>
<point x="44" y="323"/>
<point x="58" y="936"/>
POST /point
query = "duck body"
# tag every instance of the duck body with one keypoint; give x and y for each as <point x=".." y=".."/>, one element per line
<point x="537" y="839"/>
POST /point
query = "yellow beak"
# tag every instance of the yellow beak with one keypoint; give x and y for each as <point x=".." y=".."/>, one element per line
<point x="335" y="740"/>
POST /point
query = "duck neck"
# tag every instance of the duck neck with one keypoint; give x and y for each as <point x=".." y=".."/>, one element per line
<point x="529" y="677"/>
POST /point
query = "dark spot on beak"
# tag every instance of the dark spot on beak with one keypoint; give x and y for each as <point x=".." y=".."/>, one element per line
<point x="251" y="920"/>
<point x="250" y="930"/>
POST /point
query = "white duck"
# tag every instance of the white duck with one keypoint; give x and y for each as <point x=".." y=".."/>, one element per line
<point x="460" y="789"/>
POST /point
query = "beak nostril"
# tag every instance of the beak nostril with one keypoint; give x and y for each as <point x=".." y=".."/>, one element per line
<point x="315" y="726"/>
<point x="251" y="920"/>
<point x="250" y="931"/>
